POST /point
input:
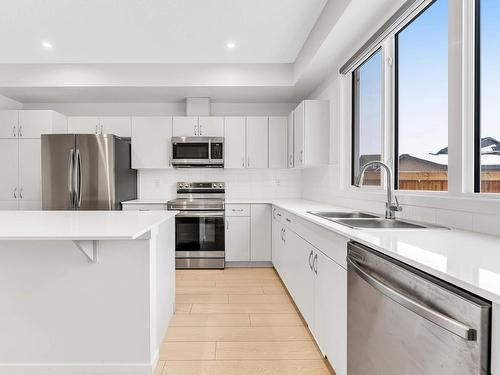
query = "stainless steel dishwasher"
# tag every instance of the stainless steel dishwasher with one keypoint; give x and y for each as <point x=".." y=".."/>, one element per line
<point x="402" y="321"/>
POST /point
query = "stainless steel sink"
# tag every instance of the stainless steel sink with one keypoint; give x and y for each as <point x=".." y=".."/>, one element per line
<point x="342" y="215"/>
<point x="379" y="223"/>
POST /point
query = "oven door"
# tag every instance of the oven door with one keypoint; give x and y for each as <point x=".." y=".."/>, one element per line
<point x="199" y="239"/>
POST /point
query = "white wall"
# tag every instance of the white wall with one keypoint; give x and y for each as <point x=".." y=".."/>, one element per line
<point x="240" y="184"/>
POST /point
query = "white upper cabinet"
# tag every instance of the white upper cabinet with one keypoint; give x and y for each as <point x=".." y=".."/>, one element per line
<point x="234" y="142"/>
<point x="9" y="123"/>
<point x="311" y="133"/>
<point x="278" y="142"/>
<point x="151" y="142"/>
<point x="257" y="142"/>
<point x="185" y="126"/>
<point x="31" y="123"/>
<point x="211" y="126"/>
<point x="290" y="141"/>
<point x="84" y="125"/>
<point x="117" y="125"/>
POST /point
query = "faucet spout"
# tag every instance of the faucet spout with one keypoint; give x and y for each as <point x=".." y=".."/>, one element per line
<point x="392" y="205"/>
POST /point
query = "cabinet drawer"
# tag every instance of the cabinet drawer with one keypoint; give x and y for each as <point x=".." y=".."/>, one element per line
<point x="237" y="210"/>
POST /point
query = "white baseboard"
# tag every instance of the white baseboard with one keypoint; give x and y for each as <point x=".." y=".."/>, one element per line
<point x="78" y="369"/>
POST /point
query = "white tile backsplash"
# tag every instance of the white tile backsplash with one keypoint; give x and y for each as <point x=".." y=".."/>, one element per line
<point x="245" y="183"/>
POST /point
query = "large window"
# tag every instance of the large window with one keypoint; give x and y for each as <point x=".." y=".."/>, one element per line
<point x="367" y="117"/>
<point x="422" y="101"/>
<point x="487" y="140"/>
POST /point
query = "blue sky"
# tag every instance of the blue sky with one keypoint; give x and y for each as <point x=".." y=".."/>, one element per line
<point x="490" y="68"/>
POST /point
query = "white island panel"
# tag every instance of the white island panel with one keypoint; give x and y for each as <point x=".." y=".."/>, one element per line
<point x="63" y="314"/>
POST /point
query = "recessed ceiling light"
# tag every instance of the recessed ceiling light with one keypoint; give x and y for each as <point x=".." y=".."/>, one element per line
<point x="47" y="45"/>
<point x="231" y="45"/>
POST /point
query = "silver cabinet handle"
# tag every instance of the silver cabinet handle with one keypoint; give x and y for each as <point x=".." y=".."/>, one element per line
<point x="21" y="193"/>
<point x="248" y="161"/>
<point x="301" y="156"/>
<point x="243" y="162"/>
<point x="169" y="161"/>
<point x="227" y="224"/>
<point x="288" y="220"/>
<point x="96" y="129"/>
<point x="284" y="235"/>
<point x="310" y="262"/>
<point x="20" y="130"/>
<point x="15" y="193"/>
<point x="201" y="133"/>
<point x="279" y="214"/>
<point x="315" y="264"/>
<point x="195" y="130"/>
<point x="237" y="210"/>
<point x="443" y="321"/>
<point x="14" y="131"/>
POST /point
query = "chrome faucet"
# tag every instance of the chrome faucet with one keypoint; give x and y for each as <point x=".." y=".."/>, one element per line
<point x="390" y="206"/>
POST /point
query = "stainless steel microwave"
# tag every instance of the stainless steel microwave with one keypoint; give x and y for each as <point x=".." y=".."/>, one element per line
<point x="198" y="152"/>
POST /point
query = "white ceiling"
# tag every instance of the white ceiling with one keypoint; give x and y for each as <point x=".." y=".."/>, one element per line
<point x="155" y="31"/>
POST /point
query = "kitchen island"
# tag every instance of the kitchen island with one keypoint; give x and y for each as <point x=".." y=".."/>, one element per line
<point x="85" y="292"/>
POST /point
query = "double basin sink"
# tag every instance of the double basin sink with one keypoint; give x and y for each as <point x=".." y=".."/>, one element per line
<point x="361" y="220"/>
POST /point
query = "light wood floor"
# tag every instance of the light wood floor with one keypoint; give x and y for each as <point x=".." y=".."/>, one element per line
<point x="237" y="321"/>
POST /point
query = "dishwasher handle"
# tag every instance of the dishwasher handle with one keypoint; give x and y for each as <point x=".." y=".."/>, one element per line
<point x="443" y="321"/>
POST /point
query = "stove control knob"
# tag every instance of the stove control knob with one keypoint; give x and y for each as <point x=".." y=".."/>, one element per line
<point x="221" y="185"/>
<point x="214" y="185"/>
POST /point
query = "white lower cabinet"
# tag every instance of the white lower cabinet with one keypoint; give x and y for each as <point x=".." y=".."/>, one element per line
<point x="248" y="233"/>
<point x="330" y="311"/>
<point x="260" y="233"/>
<point x="237" y="239"/>
<point x="317" y="284"/>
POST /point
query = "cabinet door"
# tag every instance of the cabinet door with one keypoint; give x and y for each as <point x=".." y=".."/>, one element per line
<point x="34" y="123"/>
<point x="290" y="141"/>
<point x="9" y="124"/>
<point x="30" y="188"/>
<point x="300" y="275"/>
<point x="260" y="233"/>
<point x="83" y="125"/>
<point x="211" y="126"/>
<point x="234" y="142"/>
<point x="298" y="135"/>
<point x="117" y="125"/>
<point x="185" y="126"/>
<point x="151" y="142"/>
<point x="277" y="243"/>
<point x="9" y="164"/>
<point x="237" y="239"/>
<point x="330" y="311"/>
<point x="278" y="142"/>
<point x="257" y="142"/>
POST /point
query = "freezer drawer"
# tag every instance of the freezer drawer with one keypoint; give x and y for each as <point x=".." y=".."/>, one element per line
<point x="402" y="321"/>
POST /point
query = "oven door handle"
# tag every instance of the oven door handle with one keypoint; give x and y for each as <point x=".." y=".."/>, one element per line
<point x="200" y="214"/>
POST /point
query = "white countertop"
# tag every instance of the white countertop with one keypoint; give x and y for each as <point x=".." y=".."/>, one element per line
<point x="79" y="225"/>
<point x="466" y="259"/>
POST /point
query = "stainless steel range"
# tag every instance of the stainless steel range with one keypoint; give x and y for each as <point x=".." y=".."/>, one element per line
<point x="199" y="226"/>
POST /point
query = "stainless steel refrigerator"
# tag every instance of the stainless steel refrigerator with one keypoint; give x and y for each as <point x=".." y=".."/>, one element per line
<point x="86" y="172"/>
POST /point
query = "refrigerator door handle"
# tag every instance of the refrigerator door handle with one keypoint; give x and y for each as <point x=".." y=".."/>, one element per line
<point x="71" y="190"/>
<point x="79" y="179"/>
